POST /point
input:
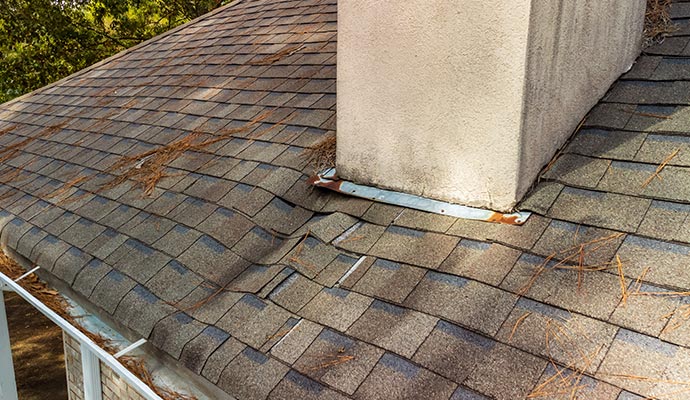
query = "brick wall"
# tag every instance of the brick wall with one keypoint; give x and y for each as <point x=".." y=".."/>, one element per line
<point x="113" y="387"/>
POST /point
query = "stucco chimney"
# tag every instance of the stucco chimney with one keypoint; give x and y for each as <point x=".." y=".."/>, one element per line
<point x="465" y="101"/>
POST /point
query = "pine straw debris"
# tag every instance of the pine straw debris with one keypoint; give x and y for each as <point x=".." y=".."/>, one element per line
<point x="137" y="366"/>
<point x="566" y="380"/>
<point x="148" y="168"/>
<point x="573" y="258"/>
<point x="59" y="305"/>
<point x="9" y="152"/>
<point x="657" y="24"/>
<point x="322" y="155"/>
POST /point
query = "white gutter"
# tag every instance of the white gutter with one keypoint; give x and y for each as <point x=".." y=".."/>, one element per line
<point x="90" y="352"/>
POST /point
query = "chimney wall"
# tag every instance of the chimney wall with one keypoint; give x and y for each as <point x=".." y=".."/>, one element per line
<point x="465" y="101"/>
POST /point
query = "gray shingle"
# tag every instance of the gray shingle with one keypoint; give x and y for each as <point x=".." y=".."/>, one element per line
<point x="253" y="321"/>
<point x="612" y="144"/>
<point x="483" y="261"/>
<point x="667" y="261"/>
<point x="359" y="238"/>
<point x="89" y="276"/>
<point x="70" y="263"/>
<point x="173" y="282"/>
<point x="506" y="373"/>
<point x="414" y="247"/>
<point x="658" y="147"/>
<point x="104" y="245"/>
<point x="208" y="304"/>
<point x="530" y="322"/>
<point x="336" y="270"/>
<point x="137" y="260"/>
<point x="561" y="383"/>
<point x="439" y="294"/>
<point x="562" y="240"/>
<point x="331" y="226"/>
<point x="397" y="378"/>
<point x="452" y="351"/>
<point x="226" y="226"/>
<point x="394" y="328"/>
<point x="47" y="251"/>
<point x="197" y="351"/>
<point x="213" y="261"/>
<point x="416" y="219"/>
<point x="644" y="313"/>
<point x="82" y="232"/>
<point x="605" y="210"/>
<point x="640" y="355"/>
<point x="254" y="278"/>
<point x="337" y="308"/>
<point x="251" y="375"/>
<point x="576" y="170"/>
<point x="626" y="178"/>
<point x="541" y="197"/>
<point x="282" y="217"/>
<point x="140" y="310"/>
<point x="295" y="292"/>
<point x="295" y="342"/>
<point x="592" y="293"/>
<point x="110" y="290"/>
<point x="177" y="240"/>
<point x="297" y="386"/>
<point x="338" y="361"/>
<point x="665" y="221"/>
<point x="389" y="280"/>
<point x="172" y="333"/>
<point x="671" y="186"/>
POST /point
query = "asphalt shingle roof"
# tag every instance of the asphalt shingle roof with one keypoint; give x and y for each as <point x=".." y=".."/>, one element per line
<point x="269" y="288"/>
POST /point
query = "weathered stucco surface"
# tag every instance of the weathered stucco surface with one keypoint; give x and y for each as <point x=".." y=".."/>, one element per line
<point x="466" y="101"/>
<point x="577" y="50"/>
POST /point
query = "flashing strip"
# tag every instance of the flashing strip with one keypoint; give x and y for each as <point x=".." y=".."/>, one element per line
<point x="86" y="344"/>
<point x="351" y="270"/>
<point x="329" y="180"/>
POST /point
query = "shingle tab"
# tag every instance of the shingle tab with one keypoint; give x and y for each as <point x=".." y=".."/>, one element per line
<point x="338" y="360"/>
<point x="439" y="294"/>
<point x="397" y="378"/>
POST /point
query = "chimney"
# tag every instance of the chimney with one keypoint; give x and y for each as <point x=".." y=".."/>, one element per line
<point x="465" y="101"/>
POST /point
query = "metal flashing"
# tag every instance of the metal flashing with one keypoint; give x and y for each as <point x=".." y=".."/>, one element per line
<point x="329" y="179"/>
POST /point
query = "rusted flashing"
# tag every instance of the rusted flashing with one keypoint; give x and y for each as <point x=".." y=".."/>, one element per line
<point x="329" y="180"/>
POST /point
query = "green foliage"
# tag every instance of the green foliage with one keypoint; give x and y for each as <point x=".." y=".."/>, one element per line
<point x="42" y="41"/>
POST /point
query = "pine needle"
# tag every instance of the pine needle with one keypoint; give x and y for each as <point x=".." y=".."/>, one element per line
<point x="661" y="168"/>
<point x="517" y="324"/>
<point x="621" y="276"/>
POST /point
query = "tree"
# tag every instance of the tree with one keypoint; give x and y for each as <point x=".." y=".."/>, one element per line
<point x="42" y="41"/>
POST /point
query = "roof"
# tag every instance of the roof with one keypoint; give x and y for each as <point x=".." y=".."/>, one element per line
<point x="267" y="287"/>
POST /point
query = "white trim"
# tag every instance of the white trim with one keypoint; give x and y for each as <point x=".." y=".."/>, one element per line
<point x="8" y="385"/>
<point x="27" y="274"/>
<point x="75" y="333"/>
<point x="129" y="348"/>
<point x="91" y="372"/>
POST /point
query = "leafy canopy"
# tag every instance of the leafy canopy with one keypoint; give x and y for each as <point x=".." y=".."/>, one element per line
<point x="42" y="41"/>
